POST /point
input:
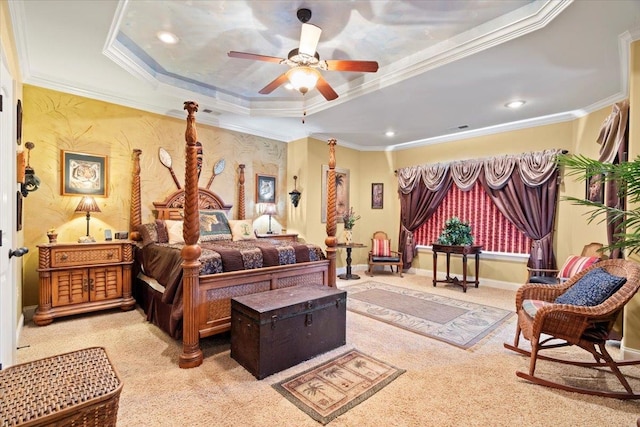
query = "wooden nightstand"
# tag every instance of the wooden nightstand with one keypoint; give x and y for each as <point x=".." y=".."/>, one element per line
<point x="82" y="277"/>
<point x="293" y="237"/>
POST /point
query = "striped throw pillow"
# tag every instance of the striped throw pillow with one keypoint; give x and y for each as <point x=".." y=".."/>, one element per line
<point x="381" y="247"/>
<point x="576" y="264"/>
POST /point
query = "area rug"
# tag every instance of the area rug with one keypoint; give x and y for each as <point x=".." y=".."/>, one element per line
<point x="331" y="389"/>
<point x="453" y="321"/>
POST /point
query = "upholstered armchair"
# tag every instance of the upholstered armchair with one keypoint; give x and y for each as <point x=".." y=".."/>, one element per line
<point x="382" y="255"/>
<point x="574" y="264"/>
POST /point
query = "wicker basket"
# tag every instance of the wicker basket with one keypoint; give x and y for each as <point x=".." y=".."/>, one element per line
<point x="79" y="388"/>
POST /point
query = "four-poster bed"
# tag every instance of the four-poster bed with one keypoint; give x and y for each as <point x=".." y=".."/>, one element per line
<point x="203" y="301"/>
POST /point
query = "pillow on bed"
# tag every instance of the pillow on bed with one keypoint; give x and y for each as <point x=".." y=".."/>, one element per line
<point x="174" y="231"/>
<point x="149" y="233"/>
<point x="163" y="234"/>
<point x="214" y="226"/>
<point x="242" y="229"/>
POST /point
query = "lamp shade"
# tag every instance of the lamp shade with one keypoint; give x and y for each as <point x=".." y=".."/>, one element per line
<point x="303" y="79"/>
<point x="88" y="204"/>
<point x="270" y="209"/>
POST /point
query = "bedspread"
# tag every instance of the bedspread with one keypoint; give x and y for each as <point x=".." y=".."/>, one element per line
<point x="163" y="261"/>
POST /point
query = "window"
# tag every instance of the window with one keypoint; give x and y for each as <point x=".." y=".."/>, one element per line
<point x="489" y="227"/>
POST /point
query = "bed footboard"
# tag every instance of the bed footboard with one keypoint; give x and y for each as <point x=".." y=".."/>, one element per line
<point x="215" y="291"/>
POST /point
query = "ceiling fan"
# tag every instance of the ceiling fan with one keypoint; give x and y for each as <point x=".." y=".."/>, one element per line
<point x="305" y="63"/>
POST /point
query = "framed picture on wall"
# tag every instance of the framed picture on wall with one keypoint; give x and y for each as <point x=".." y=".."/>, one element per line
<point x="377" y="195"/>
<point x="342" y="193"/>
<point x="265" y="188"/>
<point x="84" y="174"/>
<point x="595" y="189"/>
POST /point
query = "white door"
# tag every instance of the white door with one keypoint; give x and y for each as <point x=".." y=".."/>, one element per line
<point x="8" y="303"/>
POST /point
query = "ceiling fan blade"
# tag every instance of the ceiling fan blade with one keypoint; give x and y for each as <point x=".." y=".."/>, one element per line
<point x="309" y="37"/>
<point x="325" y="89"/>
<point x="244" y="55"/>
<point x="280" y="80"/>
<point x="346" y="65"/>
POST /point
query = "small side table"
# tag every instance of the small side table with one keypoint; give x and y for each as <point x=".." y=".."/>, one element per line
<point x="458" y="250"/>
<point x="349" y="247"/>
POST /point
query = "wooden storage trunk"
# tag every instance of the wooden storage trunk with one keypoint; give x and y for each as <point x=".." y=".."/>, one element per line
<point x="274" y="330"/>
<point x="79" y="389"/>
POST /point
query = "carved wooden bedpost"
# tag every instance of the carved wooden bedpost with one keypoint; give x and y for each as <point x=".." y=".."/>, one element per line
<point x="135" y="212"/>
<point x="331" y="240"/>
<point x="241" y="207"/>
<point x="191" y="353"/>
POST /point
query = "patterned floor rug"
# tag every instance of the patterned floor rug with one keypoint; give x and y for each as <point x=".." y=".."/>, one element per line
<point x="331" y="389"/>
<point x="456" y="322"/>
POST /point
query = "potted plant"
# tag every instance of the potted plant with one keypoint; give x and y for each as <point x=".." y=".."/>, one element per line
<point x="455" y="233"/>
<point x="627" y="176"/>
<point x="349" y="219"/>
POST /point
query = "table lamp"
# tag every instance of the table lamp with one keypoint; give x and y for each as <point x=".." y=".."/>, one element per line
<point x="87" y="204"/>
<point x="270" y="210"/>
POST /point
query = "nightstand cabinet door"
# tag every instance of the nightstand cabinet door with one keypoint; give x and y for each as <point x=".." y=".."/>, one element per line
<point x="81" y="277"/>
<point x="69" y="287"/>
<point x="105" y="283"/>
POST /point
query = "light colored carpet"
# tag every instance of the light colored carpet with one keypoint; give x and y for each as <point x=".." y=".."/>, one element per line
<point x="443" y="385"/>
<point x="334" y="387"/>
<point x="457" y="322"/>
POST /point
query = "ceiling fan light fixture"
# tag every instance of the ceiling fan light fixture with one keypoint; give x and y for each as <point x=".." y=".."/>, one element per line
<point x="303" y="79"/>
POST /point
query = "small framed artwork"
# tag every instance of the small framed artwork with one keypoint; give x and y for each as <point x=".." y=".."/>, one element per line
<point x="377" y="195"/>
<point x="265" y="188"/>
<point x="84" y="174"/>
<point x="595" y="189"/>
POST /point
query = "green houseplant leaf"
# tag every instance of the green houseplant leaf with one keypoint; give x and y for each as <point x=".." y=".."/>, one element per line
<point x="627" y="176"/>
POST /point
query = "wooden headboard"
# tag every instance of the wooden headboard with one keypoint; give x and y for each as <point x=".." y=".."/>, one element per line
<point x="173" y="206"/>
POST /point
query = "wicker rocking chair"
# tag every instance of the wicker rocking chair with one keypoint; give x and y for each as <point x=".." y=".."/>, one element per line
<point x="549" y="324"/>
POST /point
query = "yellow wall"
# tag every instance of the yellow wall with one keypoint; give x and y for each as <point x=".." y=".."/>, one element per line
<point x="306" y="158"/>
<point x="56" y="121"/>
<point x="631" y="329"/>
<point x="298" y="165"/>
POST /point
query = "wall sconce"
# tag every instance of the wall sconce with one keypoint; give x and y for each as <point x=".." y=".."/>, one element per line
<point x="87" y="204"/>
<point x="295" y="194"/>
<point x="31" y="181"/>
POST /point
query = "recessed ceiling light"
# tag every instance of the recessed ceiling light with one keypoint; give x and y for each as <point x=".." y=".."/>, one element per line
<point x="389" y="133"/>
<point x="515" y="104"/>
<point x="167" y="37"/>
